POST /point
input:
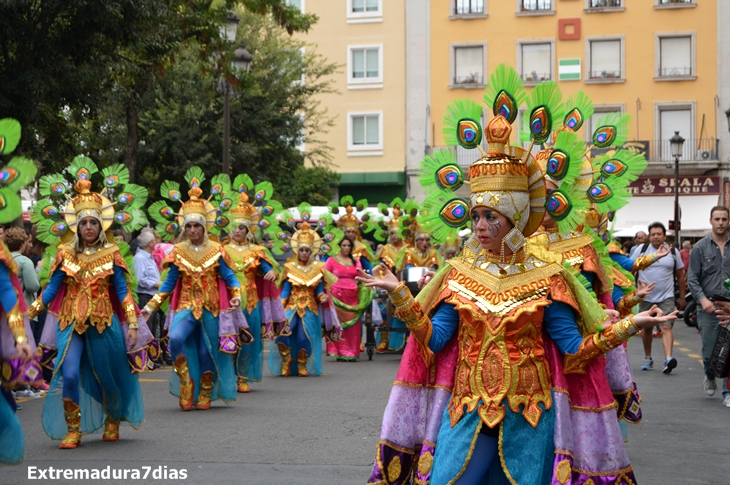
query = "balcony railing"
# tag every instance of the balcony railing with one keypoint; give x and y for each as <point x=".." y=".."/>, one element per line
<point x="605" y="74"/>
<point x="536" y="76"/>
<point x="536" y="5"/>
<point x="469" y="79"/>
<point x="605" y="3"/>
<point x="675" y="71"/>
<point x="663" y="2"/>
<point x="468" y="7"/>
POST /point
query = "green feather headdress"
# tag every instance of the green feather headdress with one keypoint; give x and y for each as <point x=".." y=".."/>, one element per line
<point x="18" y="173"/>
<point x="545" y="112"/>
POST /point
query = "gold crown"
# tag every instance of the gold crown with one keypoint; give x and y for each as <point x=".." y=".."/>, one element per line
<point x="197" y="210"/>
<point x="306" y="235"/>
<point x="349" y="219"/>
<point x="394" y="222"/>
<point x="86" y="200"/>
<point x="244" y="212"/>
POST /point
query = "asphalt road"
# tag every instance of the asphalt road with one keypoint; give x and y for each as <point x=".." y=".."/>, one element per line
<point x="323" y="430"/>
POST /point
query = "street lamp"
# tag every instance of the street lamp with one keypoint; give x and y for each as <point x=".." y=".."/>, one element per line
<point x="727" y="113"/>
<point x="676" y="143"/>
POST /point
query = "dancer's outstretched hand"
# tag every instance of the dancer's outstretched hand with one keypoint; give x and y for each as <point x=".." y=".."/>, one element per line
<point x="643" y="288"/>
<point x="381" y="277"/>
<point x="427" y="276"/>
<point x="652" y="317"/>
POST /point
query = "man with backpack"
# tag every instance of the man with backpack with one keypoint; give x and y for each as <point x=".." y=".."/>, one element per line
<point x="665" y="273"/>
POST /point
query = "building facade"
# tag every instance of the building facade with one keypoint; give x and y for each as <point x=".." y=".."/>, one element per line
<point x="367" y="39"/>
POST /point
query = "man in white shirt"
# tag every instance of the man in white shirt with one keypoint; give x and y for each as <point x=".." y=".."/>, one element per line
<point x="662" y="273"/>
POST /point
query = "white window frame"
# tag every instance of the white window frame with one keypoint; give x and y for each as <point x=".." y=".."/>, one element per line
<point x="364" y="17"/>
<point x="452" y="65"/>
<point x="690" y="137"/>
<point x="366" y="82"/>
<point x="523" y="42"/>
<point x="590" y="8"/>
<point x="364" y="150"/>
<point x="302" y="8"/>
<point x="533" y="13"/>
<point x="466" y="16"/>
<point x="589" y="60"/>
<point x="659" y="5"/>
<point x="602" y="109"/>
<point x="658" y="36"/>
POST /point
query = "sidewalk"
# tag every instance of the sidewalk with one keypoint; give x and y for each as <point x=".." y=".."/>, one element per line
<point x="684" y="436"/>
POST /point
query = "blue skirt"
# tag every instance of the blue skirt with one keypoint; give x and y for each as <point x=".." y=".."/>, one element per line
<point x="250" y="357"/>
<point x="313" y="331"/>
<point x="12" y="440"/>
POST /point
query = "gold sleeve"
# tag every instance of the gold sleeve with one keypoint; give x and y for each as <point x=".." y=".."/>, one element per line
<point x="408" y="310"/>
<point x="156" y="301"/>
<point x="644" y="262"/>
<point x="627" y="303"/>
<point x="235" y="291"/>
<point x="599" y="343"/>
<point x="36" y="308"/>
<point x="16" y="323"/>
<point x="130" y="309"/>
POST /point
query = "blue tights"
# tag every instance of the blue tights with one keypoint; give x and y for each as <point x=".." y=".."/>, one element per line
<point x="482" y="456"/>
<point x="297" y="329"/>
<point x="72" y="366"/>
<point x="180" y="331"/>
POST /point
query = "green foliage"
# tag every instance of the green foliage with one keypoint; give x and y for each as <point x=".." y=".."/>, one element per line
<point x="311" y="184"/>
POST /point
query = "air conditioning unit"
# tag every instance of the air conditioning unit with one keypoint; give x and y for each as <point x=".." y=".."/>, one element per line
<point x="704" y="155"/>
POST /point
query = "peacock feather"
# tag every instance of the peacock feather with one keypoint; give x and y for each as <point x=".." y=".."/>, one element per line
<point x="305" y="211"/>
<point x="578" y="109"/>
<point x="171" y="191"/>
<point x="134" y="196"/>
<point x="263" y="192"/>
<point x="49" y="231"/>
<point x="82" y="168"/>
<point x="505" y="92"/>
<point x="115" y="175"/>
<point x="10" y="206"/>
<point x="566" y="158"/>
<point x="613" y="130"/>
<point x="161" y="212"/>
<point x="10" y="132"/>
<point x="440" y="171"/>
<point x="443" y="214"/>
<point x="567" y="206"/>
<point x="546" y="111"/>
<point x="220" y="184"/>
<point x="243" y="183"/>
<point x="131" y="219"/>
<point x="462" y="123"/>
<point x="609" y="194"/>
<point x="42" y="210"/>
<point x="195" y="177"/>
<point x="52" y="185"/>
<point x="361" y="205"/>
<point x="623" y="164"/>
<point x="347" y="200"/>
<point x="18" y="173"/>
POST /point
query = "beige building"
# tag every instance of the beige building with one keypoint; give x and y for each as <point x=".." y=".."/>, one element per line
<point x="367" y="38"/>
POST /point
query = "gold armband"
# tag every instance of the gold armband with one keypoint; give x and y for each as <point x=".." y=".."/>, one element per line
<point x="36" y="308"/>
<point x="130" y="310"/>
<point x="16" y="324"/>
<point x="599" y="343"/>
<point x="235" y="291"/>
<point x="628" y="302"/>
<point x="155" y="302"/>
<point x="132" y="325"/>
<point x="617" y="334"/>
<point x="644" y="262"/>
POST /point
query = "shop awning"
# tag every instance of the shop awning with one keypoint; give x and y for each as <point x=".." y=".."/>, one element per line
<point x="642" y="211"/>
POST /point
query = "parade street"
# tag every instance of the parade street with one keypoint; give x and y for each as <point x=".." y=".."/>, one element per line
<point x="323" y="430"/>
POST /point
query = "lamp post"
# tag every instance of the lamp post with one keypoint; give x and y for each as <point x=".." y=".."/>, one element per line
<point x="676" y="143"/>
<point x="241" y="61"/>
<point x="727" y="114"/>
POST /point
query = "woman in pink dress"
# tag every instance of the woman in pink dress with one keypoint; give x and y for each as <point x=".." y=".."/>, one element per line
<point x="350" y="299"/>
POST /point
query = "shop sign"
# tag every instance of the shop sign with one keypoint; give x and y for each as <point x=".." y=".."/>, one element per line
<point x="692" y="185"/>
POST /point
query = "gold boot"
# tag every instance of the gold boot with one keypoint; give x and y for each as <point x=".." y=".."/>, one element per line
<point x="206" y="389"/>
<point x="243" y="385"/>
<point x="383" y="345"/>
<point x="111" y="430"/>
<point x="72" y="413"/>
<point x="302" y="363"/>
<point x="186" y="383"/>
<point x="286" y="358"/>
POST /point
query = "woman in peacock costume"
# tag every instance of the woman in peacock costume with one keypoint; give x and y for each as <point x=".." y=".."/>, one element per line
<point x="20" y="366"/>
<point x="204" y="321"/>
<point x="305" y="285"/>
<point x="256" y="271"/>
<point x="353" y="226"/>
<point x="391" y="232"/>
<point x="474" y="398"/>
<point x="93" y="323"/>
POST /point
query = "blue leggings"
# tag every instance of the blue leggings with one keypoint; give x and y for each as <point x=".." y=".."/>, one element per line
<point x="180" y="331"/>
<point x="72" y="366"/>
<point x="481" y="458"/>
<point x="297" y="330"/>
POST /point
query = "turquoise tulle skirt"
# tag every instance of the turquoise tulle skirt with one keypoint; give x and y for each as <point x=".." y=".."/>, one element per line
<point x="250" y="357"/>
<point x="206" y="333"/>
<point x="313" y="332"/>
<point x="107" y="386"/>
<point x="12" y="440"/>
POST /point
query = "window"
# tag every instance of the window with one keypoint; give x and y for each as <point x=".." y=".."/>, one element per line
<point x="536" y="61"/>
<point x="665" y="2"/>
<point x="365" y="133"/>
<point x="365" y="67"/>
<point x="671" y="118"/>
<point x="536" y="5"/>
<point x="468" y="65"/>
<point x="296" y="3"/>
<point x="604" y="3"/>
<point x="661" y="4"/>
<point x="605" y="60"/>
<point x="598" y="113"/>
<point x="469" y="7"/>
<point x="675" y="56"/>
<point x="359" y="11"/>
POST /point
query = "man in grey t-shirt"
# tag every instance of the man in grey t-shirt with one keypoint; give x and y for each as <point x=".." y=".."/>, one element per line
<point x="662" y="274"/>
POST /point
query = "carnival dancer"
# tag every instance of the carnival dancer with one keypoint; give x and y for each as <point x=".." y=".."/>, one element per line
<point x="256" y="270"/>
<point x="204" y="320"/>
<point x="350" y="299"/>
<point x="93" y="322"/>
<point x="19" y="365"/>
<point x="305" y="287"/>
<point x="475" y="380"/>
<point x="391" y="233"/>
<point x="422" y="254"/>
<point x="451" y="247"/>
<point x="353" y="227"/>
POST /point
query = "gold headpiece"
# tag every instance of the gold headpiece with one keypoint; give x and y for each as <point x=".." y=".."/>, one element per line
<point x="197" y="210"/>
<point x="245" y="212"/>
<point x="88" y="204"/>
<point x="349" y="219"/>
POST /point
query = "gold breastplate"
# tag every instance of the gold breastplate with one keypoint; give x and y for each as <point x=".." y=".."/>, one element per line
<point x="246" y="264"/>
<point x="304" y="281"/>
<point x="199" y="278"/>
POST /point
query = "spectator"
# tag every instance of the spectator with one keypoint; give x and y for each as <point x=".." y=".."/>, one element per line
<point x="627" y="246"/>
<point x="686" y="248"/>
<point x="640" y="238"/>
<point x="662" y="273"/>
<point x="148" y="276"/>
<point x="36" y="247"/>
<point x="709" y="267"/>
